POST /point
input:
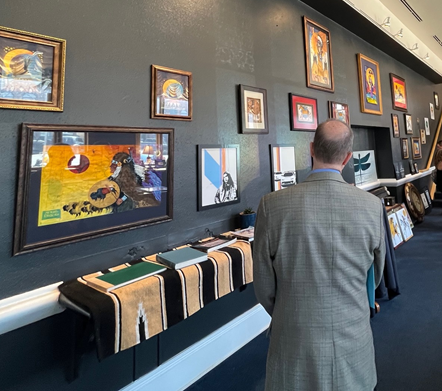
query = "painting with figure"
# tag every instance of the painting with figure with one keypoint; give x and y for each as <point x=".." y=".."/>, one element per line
<point x="364" y="167"/>
<point x="253" y="110"/>
<point x="370" y="94"/>
<point x="395" y="230"/>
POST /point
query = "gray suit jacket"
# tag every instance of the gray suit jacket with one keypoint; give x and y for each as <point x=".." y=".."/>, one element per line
<point x="314" y="243"/>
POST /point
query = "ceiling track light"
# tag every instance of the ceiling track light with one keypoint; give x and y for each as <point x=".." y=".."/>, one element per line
<point x="415" y="47"/>
<point x="427" y="57"/>
<point x="400" y="33"/>
<point x="386" y="22"/>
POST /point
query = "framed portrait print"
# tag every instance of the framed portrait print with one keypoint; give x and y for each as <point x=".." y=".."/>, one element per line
<point x="32" y="70"/>
<point x="172" y="94"/>
<point x="395" y="124"/>
<point x="318" y="56"/>
<point x="423" y="137"/>
<point x="339" y="111"/>
<point x="398" y="92"/>
<point x="81" y="182"/>
<point x="436" y="100"/>
<point x="218" y="173"/>
<point x="405" y="149"/>
<point x="427" y="126"/>
<point x="369" y="85"/>
<point x="408" y="124"/>
<point x="416" y="147"/>
<point x="253" y="109"/>
<point x="432" y="111"/>
<point x="283" y="166"/>
<point x="303" y="113"/>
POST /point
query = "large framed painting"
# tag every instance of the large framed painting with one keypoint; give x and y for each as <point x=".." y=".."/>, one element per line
<point x="253" y="109"/>
<point x="369" y="85"/>
<point x="416" y="147"/>
<point x="172" y="94"/>
<point x="283" y="166"/>
<point x="398" y="92"/>
<point x="339" y="111"/>
<point x="364" y="167"/>
<point x="318" y="56"/>
<point x="395" y="123"/>
<point x="32" y="69"/>
<point x="80" y="182"/>
<point x="218" y="173"/>
<point x="303" y="113"/>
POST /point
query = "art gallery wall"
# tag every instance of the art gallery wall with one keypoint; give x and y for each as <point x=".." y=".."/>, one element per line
<point x="224" y="43"/>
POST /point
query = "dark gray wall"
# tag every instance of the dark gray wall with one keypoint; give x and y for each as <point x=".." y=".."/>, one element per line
<point x="110" y="47"/>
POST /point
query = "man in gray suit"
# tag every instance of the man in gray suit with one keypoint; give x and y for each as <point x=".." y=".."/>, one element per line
<point x="314" y="243"/>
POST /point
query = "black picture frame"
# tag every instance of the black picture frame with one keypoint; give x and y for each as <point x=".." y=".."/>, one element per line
<point x="283" y="166"/>
<point x="253" y="110"/>
<point x="405" y="148"/>
<point x="408" y="123"/>
<point x="70" y="188"/>
<point x="214" y="161"/>
<point x="395" y="125"/>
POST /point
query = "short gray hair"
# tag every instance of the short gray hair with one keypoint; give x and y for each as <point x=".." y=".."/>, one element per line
<point x="333" y="141"/>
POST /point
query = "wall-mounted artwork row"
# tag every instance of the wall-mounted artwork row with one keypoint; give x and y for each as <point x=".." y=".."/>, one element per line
<point x="80" y="182"/>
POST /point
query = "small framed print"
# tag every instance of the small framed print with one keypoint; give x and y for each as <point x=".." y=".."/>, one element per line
<point x="395" y="124"/>
<point x="398" y="92"/>
<point x="405" y="149"/>
<point x="432" y="111"/>
<point x="339" y="111"/>
<point x="408" y="124"/>
<point x="416" y="168"/>
<point x="172" y="95"/>
<point x="416" y="147"/>
<point x="218" y="173"/>
<point x="427" y="126"/>
<point x="253" y="109"/>
<point x="436" y="100"/>
<point x="283" y="166"/>
<point x="303" y="113"/>
<point x="369" y="85"/>
<point x="318" y="56"/>
<point x="423" y="137"/>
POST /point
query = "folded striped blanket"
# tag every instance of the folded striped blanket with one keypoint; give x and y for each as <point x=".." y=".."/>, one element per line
<point x="133" y="313"/>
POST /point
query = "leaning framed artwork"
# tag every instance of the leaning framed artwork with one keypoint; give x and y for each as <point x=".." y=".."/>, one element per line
<point x="80" y="182"/>
<point x="318" y="56"/>
<point x="172" y="95"/>
<point x="253" y="109"/>
<point x="303" y="113"/>
<point x="405" y="149"/>
<point x="416" y="147"/>
<point x="339" y="111"/>
<point x="398" y="92"/>
<point x="32" y="71"/>
<point x="395" y="123"/>
<point x="283" y="166"/>
<point x="218" y="173"/>
<point x="370" y="94"/>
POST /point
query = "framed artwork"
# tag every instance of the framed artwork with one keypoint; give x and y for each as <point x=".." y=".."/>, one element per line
<point x="398" y="92"/>
<point x="427" y="126"/>
<point x="408" y="124"/>
<point x="436" y="100"/>
<point x="395" y="123"/>
<point x="303" y="113"/>
<point x="416" y="147"/>
<point x="318" y="56"/>
<point x="339" y="111"/>
<point x="172" y="94"/>
<point x="412" y="167"/>
<point x="404" y="224"/>
<point x="416" y="168"/>
<point x="427" y="195"/>
<point x="283" y="166"/>
<point x="364" y="167"/>
<point x="425" y="201"/>
<point x="395" y="230"/>
<point x="405" y="149"/>
<point x="423" y="137"/>
<point x="253" y="109"/>
<point x="80" y="182"/>
<point x="405" y="213"/>
<point x="32" y="69"/>
<point x="432" y="111"/>
<point x="414" y="202"/>
<point x="369" y="85"/>
<point x="218" y="173"/>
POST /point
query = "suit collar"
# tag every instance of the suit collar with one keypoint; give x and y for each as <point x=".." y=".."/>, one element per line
<point x="325" y="175"/>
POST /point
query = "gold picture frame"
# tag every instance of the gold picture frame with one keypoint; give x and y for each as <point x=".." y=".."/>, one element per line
<point x="370" y="94"/>
<point x="32" y="71"/>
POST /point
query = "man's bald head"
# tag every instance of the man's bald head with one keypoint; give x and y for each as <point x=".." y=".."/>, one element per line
<point x="333" y="142"/>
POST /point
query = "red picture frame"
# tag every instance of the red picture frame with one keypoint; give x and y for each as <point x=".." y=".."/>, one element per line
<point x="398" y="92"/>
<point x="303" y="113"/>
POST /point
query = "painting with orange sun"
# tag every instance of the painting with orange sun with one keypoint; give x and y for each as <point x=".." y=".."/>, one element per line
<point x="398" y="92"/>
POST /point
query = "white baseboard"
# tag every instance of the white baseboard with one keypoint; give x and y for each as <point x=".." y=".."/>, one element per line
<point x="185" y="368"/>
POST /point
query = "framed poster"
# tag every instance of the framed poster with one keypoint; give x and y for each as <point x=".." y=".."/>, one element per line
<point x="364" y="167"/>
<point x="408" y="123"/>
<point x="172" y="94"/>
<point x="405" y="213"/>
<point x="303" y="113"/>
<point x="427" y="126"/>
<point x="404" y="224"/>
<point x="395" y="230"/>
<point x="369" y="85"/>
<point x="339" y="111"/>
<point x="416" y="147"/>
<point x="283" y="166"/>
<point x="423" y="137"/>
<point x="432" y="111"/>
<point x="32" y="68"/>
<point x="253" y="109"/>
<point x="405" y="149"/>
<point x="398" y="92"/>
<point x="318" y="56"/>
<point x="218" y="173"/>
<point x="395" y="123"/>
<point x="436" y="100"/>
<point x="80" y="182"/>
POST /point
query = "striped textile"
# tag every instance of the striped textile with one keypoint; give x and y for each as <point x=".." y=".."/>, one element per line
<point x="133" y="313"/>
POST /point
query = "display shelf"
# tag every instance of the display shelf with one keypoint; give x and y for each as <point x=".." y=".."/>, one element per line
<point x="391" y="182"/>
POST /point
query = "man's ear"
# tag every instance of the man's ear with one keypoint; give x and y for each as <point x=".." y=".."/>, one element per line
<point x="312" y="152"/>
<point x="347" y="158"/>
